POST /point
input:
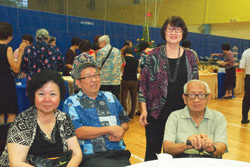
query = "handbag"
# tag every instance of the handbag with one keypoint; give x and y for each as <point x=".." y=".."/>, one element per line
<point x="62" y="161"/>
<point x="106" y="57"/>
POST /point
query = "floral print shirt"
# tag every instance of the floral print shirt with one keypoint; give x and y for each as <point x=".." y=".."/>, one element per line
<point x="105" y="110"/>
<point x="40" y="56"/>
<point x="110" y="72"/>
<point x="80" y="59"/>
<point x="154" y="79"/>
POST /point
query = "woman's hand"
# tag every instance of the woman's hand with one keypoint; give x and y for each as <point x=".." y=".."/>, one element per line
<point x="143" y="118"/>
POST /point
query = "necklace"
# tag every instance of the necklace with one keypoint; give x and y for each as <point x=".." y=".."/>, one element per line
<point x="170" y="78"/>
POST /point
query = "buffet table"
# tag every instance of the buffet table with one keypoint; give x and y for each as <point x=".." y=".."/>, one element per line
<point x="195" y="162"/>
<point x="212" y="81"/>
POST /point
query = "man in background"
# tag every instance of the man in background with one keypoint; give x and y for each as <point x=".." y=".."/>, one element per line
<point x="110" y="69"/>
<point x="245" y="64"/>
<point x="187" y="44"/>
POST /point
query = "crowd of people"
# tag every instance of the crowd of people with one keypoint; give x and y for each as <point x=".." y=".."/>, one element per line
<point x="89" y="131"/>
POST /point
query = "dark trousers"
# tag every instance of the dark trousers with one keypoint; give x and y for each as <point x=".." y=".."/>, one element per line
<point x="107" y="159"/>
<point x="129" y="86"/>
<point x="154" y="137"/>
<point x="115" y="89"/>
<point x="246" y="99"/>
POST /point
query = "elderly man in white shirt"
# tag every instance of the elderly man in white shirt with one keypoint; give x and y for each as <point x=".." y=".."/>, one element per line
<point x="245" y="64"/>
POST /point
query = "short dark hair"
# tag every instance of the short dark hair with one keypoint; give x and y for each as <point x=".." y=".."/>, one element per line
<point x="81" y="67"/>
<point x="6" y="30"/>
<point x="75" y="41"/>
<point x="186" y="44"/>
<point x="225" y="46"/>
<point x="143" y="45"/>
<point x="28" y="37"/>
<point x="95" y="46"/>
<point x="51" y="39"/>
<point x="38" y="80"/>
<point x="127" y="43"/>
<point x="85" y="45"/>
<point x="128" y="50"/>
<point x="175" y="21"/>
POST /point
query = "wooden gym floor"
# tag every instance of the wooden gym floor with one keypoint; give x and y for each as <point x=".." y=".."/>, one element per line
<point x="238" y="134"/>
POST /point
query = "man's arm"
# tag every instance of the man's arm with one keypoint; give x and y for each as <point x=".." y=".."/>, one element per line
<point x="88" y="132"/>
<point x="174" y="148"/>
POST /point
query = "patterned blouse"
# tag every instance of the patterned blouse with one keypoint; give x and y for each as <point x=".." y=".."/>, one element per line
<point x="154" y="79"/>
<point x="23" y="130"/>
<point x="40" y="56"/>
<point x="80" y="59"/>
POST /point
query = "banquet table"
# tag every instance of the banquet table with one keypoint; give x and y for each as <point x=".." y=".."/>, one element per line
<point x="23" y="102"/>
<point x="195" y="162"/>
<point x="212" y="81"/>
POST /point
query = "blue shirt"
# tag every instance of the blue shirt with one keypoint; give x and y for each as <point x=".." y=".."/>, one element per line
<point x="105" y="110"/>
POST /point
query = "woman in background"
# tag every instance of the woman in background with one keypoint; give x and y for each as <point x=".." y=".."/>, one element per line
<point x="230" y="78"/>
<point x="166" y="70"/>
<point x="8" y="98"/>
<point x="129" y="81"/>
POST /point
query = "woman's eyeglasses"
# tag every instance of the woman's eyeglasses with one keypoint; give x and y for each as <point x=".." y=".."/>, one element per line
<point x="171" y="29"/>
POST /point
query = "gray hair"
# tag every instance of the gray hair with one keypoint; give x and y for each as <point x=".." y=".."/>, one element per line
<point x="52" y="39"/>
<point x="81" y="67"/>
<point x="199" y="81"/>
<point x="104" y="38"/>
<point x="42" y="34"/>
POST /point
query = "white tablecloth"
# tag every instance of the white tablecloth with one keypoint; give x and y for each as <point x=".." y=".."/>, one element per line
<point x="196" y="162"/>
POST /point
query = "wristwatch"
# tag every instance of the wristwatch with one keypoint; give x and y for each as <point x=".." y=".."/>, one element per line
<point x="212" y="151"/>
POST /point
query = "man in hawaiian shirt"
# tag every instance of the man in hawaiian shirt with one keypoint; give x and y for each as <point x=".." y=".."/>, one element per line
<point x="99" y="119"/>
<point x="110" y="71"/>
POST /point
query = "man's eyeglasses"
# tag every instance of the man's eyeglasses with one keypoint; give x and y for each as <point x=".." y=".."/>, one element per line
<point x="171" y="29"/>
<point x="193" y="96"/>
<point x="96" y="76"/>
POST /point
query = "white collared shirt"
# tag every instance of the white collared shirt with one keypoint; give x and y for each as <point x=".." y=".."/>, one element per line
<point x="245" y="61"/>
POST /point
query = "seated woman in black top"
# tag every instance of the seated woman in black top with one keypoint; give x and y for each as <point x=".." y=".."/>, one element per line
<point x="42" y="130"/>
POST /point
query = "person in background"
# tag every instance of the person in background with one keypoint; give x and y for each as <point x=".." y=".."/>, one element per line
<point x="99" y="119"/>
<point x="166" y="70"/>
<point x="230" y="78"/>
<point x="187" y="44"/>
<point x="52" y="41"/>
<point x="27" y="40"/>
<point x="95" y="47"/>
<point x="129" y="81"/>
<point x="110" y="69"/>
<point x="145" y="50"/>
<point x="195" y="127"/>
<point x="41" y="55"/>
<point x="127" y="43"/>
<point x="71" y="54"/>
<point x="8" y="97"/>
<point x="84" y="57"/>
<point x="42" y="130"/>
<point x="245" y="65"/>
